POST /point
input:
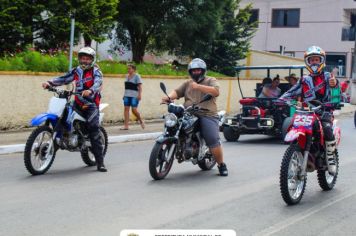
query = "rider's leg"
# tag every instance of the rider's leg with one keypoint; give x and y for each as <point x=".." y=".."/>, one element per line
<point x="92" y="116"/>
<point x="330" y="144"/>
<point x="209" y="127"/>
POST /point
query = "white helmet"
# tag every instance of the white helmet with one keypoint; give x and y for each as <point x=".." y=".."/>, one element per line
<point x="88" y="51"/>
<point x="197" y="63"/>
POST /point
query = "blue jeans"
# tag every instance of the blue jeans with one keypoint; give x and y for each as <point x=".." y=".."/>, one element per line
<point x="130" y="102"/>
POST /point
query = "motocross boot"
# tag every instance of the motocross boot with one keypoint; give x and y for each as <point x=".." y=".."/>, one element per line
<point x="330" y="156"/>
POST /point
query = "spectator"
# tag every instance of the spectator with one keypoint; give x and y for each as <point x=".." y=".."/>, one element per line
<point x="292" y="79"/>
<point x="132" y="96"/>
<point x="271" y="90"/>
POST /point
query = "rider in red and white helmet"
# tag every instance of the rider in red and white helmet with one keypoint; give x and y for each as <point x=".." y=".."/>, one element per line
<point x="317" y="86"/>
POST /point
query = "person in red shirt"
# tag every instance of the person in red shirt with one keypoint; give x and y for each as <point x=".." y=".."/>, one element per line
<point x="317" y="86"/>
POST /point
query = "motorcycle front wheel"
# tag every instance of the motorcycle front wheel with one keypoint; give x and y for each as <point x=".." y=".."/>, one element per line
<point x="160" y="163"/>
<point x="292" y="183"/>
<point x="40" y="151"/>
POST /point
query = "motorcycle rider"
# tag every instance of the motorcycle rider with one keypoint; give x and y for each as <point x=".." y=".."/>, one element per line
<point x="193" y="91"/>
<point x="316" y="86"/>
<point x="88" y="81"/>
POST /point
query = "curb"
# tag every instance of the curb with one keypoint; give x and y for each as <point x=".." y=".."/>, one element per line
<point x="16" y="148"/>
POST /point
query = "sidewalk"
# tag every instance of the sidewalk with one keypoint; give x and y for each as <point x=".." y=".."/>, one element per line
<point x="14" y="141"/>
<point x="17" y="137"/>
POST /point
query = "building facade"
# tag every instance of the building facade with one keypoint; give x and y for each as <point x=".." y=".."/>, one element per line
<point x="289" y="27"/>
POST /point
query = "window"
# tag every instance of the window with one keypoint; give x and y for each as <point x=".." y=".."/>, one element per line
<point x="285" y="17"/>
<point x="336" y="61"/>
<point x="286" y="53"/>
<point x="254" y="16"/>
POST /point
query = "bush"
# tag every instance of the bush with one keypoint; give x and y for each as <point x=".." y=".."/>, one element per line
<point x="16" y="63"/>
<point x="35" y="61"/>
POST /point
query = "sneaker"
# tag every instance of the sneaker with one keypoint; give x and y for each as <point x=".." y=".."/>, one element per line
<point x="223" y="169"/>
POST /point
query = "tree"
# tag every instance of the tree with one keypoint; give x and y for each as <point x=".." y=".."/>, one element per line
<point x="12" y="31"/>
<point x="94" y="19"/>
<point x="233" y="41"/>
<point x="177" y="26"/>
<point x="191" y="29"/>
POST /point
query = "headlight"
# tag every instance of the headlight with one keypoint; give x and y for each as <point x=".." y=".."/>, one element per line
<point x="170" y="120"/>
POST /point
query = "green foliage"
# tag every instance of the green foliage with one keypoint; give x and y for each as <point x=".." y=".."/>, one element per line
<point x="35" y="61"/>
<point x="181" y="27"/>
<point x="12" y="31"/>
<point x="232" y="41"/>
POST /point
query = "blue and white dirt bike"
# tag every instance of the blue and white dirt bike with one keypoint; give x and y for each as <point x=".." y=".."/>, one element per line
<point x="62" y="127"/>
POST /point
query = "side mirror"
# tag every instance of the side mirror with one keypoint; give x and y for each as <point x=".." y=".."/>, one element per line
<point x="206" y="97"/>
<point x="163" y="87"/>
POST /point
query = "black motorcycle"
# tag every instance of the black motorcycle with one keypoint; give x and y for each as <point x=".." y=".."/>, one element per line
<point x="181" y="139"/>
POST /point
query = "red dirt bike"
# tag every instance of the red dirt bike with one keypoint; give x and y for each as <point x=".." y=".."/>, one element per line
<point x="307" y="153"/>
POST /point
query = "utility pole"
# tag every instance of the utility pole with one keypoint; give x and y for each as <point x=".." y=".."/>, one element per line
<point x="72" y="17"/>
<point x="353" y="75"/>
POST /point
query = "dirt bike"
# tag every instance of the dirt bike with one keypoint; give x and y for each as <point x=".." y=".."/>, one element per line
<point x="307" y="153"/>
<point x="181" y="139"/>
<point x="62" y="127"/>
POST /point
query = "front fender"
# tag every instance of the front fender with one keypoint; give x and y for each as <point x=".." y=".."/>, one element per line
<point x="39" y="119"/>
<point x="162" y="139"/>
<point x="292" y="135"/>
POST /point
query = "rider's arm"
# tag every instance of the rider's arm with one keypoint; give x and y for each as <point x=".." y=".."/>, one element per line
<point x="294" y="91"/>
<point x="179" y="92"/>
<point x="65" y="79"/>
<point x="212" y="88"/>
<point x="98" y="81"/>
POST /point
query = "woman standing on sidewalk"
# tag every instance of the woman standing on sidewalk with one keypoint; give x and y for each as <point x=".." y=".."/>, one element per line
<point x="132" y="96"/>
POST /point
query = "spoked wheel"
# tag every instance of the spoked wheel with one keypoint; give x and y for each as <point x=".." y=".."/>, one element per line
<point x="88" y="156"/>
<point x="40" y="151"/>
<point x="292" y="183"/>
<point x="161" y="160"/>
<point x="208" y="162"/>
<point x="327" y="181"/>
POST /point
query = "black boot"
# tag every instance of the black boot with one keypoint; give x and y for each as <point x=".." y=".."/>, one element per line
<point x="100" y="165"/>
<point x="101" y="168"/>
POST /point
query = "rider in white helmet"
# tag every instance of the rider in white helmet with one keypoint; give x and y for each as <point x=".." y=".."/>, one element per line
<point x="193" y="91"/>
<point x="88" y="81"/>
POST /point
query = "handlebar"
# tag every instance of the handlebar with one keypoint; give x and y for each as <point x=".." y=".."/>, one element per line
<point x="310" y="104"/>
<point x="65" y="93"/>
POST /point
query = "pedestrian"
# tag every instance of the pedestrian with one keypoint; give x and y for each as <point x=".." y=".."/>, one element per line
<point x="132" y="96"/>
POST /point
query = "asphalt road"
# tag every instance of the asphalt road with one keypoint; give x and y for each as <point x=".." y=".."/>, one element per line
<point x="72" y="199"/>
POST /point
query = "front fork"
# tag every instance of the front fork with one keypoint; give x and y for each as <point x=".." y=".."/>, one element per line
<point x="306" y="155"/>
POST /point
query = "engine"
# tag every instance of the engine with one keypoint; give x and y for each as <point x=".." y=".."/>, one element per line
<point x="191" y="148"/>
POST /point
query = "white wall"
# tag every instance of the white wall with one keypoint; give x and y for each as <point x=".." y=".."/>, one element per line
<point x="321" y="23"/>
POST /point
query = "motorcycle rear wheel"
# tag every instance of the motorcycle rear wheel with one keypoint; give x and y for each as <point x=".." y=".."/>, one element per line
<point x="327" y="181"/>
<point x="207" y="163"/>
<point x="87" y="155"/>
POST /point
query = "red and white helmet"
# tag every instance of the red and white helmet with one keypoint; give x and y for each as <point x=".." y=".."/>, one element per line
<point x="88" y="51"/>
<point x="313" y="51"/>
